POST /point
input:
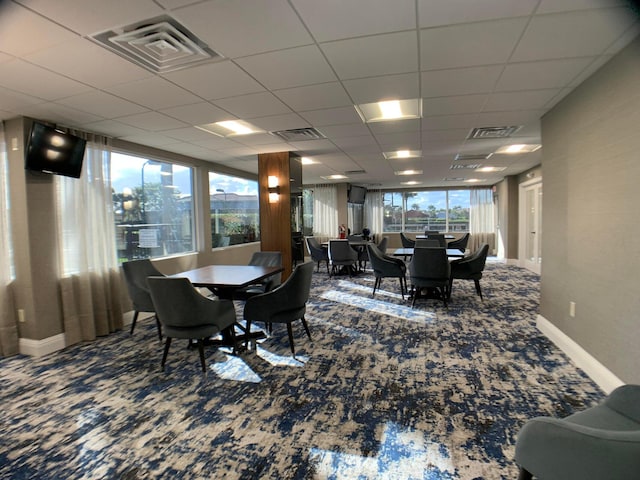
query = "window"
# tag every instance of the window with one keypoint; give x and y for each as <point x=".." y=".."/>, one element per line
<point x="441" y="210"/>
<point x="153" y="207"/>
<point x="235" y="210"/>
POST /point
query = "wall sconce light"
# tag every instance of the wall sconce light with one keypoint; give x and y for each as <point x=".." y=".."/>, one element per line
<point x="274" y="189"/>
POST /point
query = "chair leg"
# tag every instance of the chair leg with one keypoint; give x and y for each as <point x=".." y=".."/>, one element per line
<point x="376" y="284"/>
<point x="524" y="474"/>
<point x="133" y="323"/>
<point x="401" y="288"/>
<point x="478" y="290"/>
<point x="159" y="329"/>
<point x="247" y="334"/>
<point x="167" y="344"/>
<point x="306" y="327"/>
<point x="450" y="286"/>
<point x="290" y="332"/>
<point x="201" y="352"/>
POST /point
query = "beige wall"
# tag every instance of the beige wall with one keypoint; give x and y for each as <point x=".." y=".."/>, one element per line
<point x="591" y="227"/>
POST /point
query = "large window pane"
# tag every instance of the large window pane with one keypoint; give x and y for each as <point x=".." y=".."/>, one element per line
<point x="426" y="211"/>
<point x="392" y="207"/>
<point x="235" y="210"/>
<point x="153" y="207"/>
<point x="459" y="203"/>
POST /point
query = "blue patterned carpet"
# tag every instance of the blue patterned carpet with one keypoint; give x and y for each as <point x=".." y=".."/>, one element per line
<point x="382" y="392"/>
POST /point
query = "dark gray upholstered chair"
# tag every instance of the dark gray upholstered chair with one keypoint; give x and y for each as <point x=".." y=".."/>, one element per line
<point x="439" y="237"/>
<point x="431" y="232"/>
<point x="460" y="243"/>
<point x="297" y="247"/>
<point x="429" y="272"/>
<point x="382" y="245"/>
<point x="342" y="255"/>
<point x="318" y="253"/>
<point x="136" y="273"/>
<point x="185" y="313"/>
<point x="285" y="304"/>
<point x="602" y="442"/>
<point x="385" y="266"/>
<point x="470" y="268"/>
<point x="406" y="242"/>
<point x="265" y="259"/>
<point x="427" y="243"/>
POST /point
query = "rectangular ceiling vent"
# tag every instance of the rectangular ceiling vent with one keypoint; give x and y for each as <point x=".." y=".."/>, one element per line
<point x="160" y="44"/>
<point x="472" y="157"/>
<point x="454" y="179"/>
<point x="493" y="132"/>
<point x="462" y="166"/>
<point x="299" y="134"/>
<point x="355" y="172"/>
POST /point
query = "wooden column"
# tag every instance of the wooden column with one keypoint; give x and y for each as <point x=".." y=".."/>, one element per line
<point x="275" y="218"/>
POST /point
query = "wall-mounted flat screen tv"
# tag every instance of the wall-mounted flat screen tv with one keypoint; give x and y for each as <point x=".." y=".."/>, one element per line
<point x="54" y="151"/>
<point x="356" y="194"/>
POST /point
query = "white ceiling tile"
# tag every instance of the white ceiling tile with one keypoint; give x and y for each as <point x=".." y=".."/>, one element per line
<point x="114" y="128"/>
<point x="453" y="105"/>
<point x="444" y="122"/>
<point x="171" y="4"/>
<point x="377" y="55"/>
<point x="275" y="147"/>
<point x="102" y="104"/>
<point x="386" y="87"/>
<point x="216" y="143"/>
<point x="289" y="68"/>
<point x="5" y="58"/>
<point x="626" y="38"/>
<point x="236" y="29"/>
<point x="347" y="143"/>
<point x="15" y="101"/>
<point x="343" y="131"/>
<point x="459" y="81"/>
<point x="454" y="134"/>
<point x="315" y="145"/>
<point x="254" y="105"/>
<point x="543" y="74"/>
<point x="153" y="121"/>
<point x="197" y="114"/>
<point x="259" y="139"/>
<point x="397" y="126"/>
<point x="91" y="16"/>
<point x="187" y="134"/>
<point x="462" y="11"/>
<point x="215" y="80"/>
<point x="314" y="97"/>
<point x="573" y="34"/>
<point x="590" y="70"/>
<point x="23" y="32"/>
<point x="89" y="63"/>
<point x="337" y="19"/>
<point x="239" y="151"/>
<point x="522" y="117"/>
<point x="408" y="140"/>
<point x="274" y="123"/>
<point x="54" y="112"/>
<point x="38" y="82"/>
<point x="331" y="116"/>
<point x="523" y="100"/>
<point x="150" y="139"/>
<point x="154" y="93"/>
<point x="467" y="45"/>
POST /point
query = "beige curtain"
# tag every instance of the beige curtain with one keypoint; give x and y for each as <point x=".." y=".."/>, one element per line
<point x="90" y="279"/>
<point x="8" y="327"/>
<point x="325" y="212"/>
<point x="481" y="220"/>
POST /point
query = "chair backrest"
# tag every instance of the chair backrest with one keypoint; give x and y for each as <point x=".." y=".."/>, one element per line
<point x="298" y="286"/>
<point x="478" y="259"/>
<point x="382" y="246"/>
<point x="439" y="237"/>
<point x="175" y="300"/>
<point x="429" y="263"/>
<point x="406" y="242"/>
<point x="341" y="251"/>
<point x="460" y="243"/>
<point x="315" y="250"/>
<point x="136" y="273"/>
<point x="297" y="246"/>
<point x="427" y="243"/>
<point x="268" y="259"/>
<point x="431" y="232"/>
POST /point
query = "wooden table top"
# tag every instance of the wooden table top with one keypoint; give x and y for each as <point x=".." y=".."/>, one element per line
<point x="228" y="276"/>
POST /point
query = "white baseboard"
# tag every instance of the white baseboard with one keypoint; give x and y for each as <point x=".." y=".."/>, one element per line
<point x="600" y="374"/>
<point x="38" y="348"/>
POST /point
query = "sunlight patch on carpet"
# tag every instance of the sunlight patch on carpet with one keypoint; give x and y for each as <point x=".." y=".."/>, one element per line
<point x="234" y="368"/>
<point x="281" y="360"/>
<point x="379" y="306"/>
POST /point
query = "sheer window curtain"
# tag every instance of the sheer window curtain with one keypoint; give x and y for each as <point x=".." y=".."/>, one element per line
<point x="373" y="213"/>
<point x="90" y="277"/>
<point x="325" y="212"/>
<point x="8" y="327"/>
<point x="481" y="220"/>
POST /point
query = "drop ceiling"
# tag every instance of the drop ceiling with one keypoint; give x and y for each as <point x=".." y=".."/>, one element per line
<point x="302" y="64"/>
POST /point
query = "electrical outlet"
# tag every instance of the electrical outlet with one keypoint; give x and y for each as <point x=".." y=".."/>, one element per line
<point x="572" y="309"/>
<point x="21" y="315"/>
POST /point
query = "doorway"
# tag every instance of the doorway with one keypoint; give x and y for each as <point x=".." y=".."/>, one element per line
<point x="530" y="225"/>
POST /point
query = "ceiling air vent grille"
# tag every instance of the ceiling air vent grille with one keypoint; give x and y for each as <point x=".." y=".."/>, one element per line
<point x="355" y="172"/>
<point x="299" y="134"/>
<point x="160" y="44"/>
<point x="472" y="157"/>
<point x="493" y="132"/>
<point x="461" y="166"/>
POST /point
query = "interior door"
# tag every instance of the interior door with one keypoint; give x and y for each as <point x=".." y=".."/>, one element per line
<point x="530" y="241"/>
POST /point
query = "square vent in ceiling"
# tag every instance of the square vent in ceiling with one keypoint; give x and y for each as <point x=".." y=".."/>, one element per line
<point x="299" y="134"/>
<point x="493" y="132"/>
<point x="355" y="172"/>
<point x="462" y="166"/>
<point x="471" y="157"/>
<point x="160" y="44"/>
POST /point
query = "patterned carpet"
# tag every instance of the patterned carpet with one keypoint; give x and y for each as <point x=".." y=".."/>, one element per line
<point x="383" y="392"/>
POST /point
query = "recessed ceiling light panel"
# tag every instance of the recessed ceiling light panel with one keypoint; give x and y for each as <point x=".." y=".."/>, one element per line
<point x="519" y="148"/>
<point x="400" y="154"/>
<point x="230" y="128"/>
<point x="408" y="172"/>
<point x="390" y="110"/>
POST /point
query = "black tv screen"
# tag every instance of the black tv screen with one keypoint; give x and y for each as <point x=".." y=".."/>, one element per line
<point x="356" y="194"/>
<point x="53" y="151"/>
